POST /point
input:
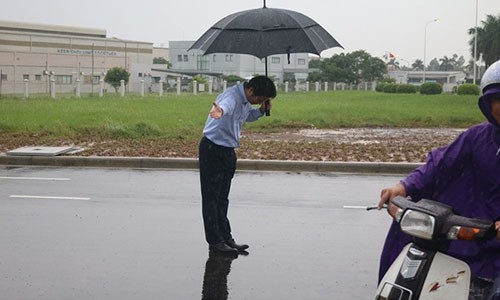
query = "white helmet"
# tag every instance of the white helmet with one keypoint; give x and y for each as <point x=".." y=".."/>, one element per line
<point x="490" y="85"/>
<point x="491" y="76"/>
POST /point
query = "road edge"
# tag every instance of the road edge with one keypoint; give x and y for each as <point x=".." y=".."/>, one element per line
<point x="192" y="163"/>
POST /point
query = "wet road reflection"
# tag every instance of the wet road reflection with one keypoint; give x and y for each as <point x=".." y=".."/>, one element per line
<point x="140" y="236"/>
<point x="217" y="269"/>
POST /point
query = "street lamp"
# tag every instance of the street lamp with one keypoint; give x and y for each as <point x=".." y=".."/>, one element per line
<point x="425" y="45"/>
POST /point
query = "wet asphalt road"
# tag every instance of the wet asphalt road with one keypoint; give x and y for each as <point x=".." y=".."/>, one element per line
<point x="76" y="233"/>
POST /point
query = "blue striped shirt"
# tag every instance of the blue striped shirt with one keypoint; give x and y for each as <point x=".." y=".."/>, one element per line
<point x="236" y="112"/>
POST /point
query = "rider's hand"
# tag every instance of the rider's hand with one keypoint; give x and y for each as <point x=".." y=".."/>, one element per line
<point x="388" y="194"/>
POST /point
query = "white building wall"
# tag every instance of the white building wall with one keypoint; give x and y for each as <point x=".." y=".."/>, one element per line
<point x="242" y="65"/>
<point x="64" y="57"/>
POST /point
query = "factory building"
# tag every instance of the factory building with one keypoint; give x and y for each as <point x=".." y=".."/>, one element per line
<point x="40" y="54"/>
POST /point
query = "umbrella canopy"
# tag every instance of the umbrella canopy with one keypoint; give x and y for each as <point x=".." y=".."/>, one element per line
<point x="265" y="31"/>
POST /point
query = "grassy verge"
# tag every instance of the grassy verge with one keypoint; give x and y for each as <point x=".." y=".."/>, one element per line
<point x="183" y="117"/>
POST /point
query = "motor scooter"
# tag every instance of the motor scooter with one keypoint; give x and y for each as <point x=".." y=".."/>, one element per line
<point x="423" y="270"/>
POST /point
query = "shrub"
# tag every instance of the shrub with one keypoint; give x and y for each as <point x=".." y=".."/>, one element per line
<point x="390" y="88"/>
<point x="232" y="79"/>
<point x="380" y="86"/>
<point x="387" y="80"/>
<point x="431" y="88"/>
<point x="406" y="88"/>
<point x="468" y="89"/>
<point x="199" y="81"/>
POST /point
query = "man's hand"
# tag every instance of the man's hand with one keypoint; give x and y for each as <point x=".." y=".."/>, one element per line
<point x="266" y="104"/>
<point x="216" y="112"/>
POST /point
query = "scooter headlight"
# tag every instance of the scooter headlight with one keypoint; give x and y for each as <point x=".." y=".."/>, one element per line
<point x="398" y="214"/>
<point x="418" y="224"/>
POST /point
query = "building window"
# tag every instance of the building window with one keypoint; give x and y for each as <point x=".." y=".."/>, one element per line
<point x="179" y="57"/>
<point x="3" y="77"/>
<point x="229" y="57"/>
<point x="139" y="75"/>
<point x="185" y="57"/>
<point x="275" y="60"/>
<point x="301" y="61"/>
<point x="63" y="79"/>
<point x="26" y="77"/>
<point x="213" y="58"/>
<point x="38" y="77"/>
<point x="202" y="63"/>
<point x="88" y="79"/>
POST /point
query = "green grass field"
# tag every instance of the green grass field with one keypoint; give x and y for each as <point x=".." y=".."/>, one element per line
<point x="184" y="116"/>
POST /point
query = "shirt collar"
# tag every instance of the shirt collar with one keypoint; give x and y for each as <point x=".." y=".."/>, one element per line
<point x="241" y="89"/>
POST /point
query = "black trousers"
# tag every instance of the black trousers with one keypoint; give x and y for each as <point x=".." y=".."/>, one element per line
<point x="217" y="167"/>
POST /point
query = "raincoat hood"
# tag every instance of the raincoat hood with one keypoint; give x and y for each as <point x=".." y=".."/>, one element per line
<point x="485" y="106"/>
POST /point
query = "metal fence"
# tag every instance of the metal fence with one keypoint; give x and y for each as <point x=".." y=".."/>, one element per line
<point x="50" y="87"/>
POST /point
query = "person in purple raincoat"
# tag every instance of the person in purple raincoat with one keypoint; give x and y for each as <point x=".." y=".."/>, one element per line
<point x="465" y="175"/>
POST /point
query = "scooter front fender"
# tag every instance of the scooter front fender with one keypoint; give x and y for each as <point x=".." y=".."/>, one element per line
<point x="446" y="278"/>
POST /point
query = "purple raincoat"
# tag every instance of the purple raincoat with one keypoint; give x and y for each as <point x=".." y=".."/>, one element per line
<point x="465" y="175"/>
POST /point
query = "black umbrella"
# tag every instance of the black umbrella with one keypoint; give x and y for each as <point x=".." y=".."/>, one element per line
<point x="265" y="31"/>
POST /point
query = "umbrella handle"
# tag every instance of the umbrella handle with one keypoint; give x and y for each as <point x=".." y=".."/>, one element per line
<point x="266" y="105"/>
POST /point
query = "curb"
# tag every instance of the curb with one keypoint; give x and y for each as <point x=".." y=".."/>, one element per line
<point x="191" y="163"/>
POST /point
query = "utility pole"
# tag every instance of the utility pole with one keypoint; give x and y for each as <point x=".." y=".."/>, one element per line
<point x="92" y="70"/>
<point x="425" y="47"/>
<point x="475" y="48"/>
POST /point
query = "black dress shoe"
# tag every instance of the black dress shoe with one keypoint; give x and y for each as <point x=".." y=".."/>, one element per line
<point x="222" y="248"/>
<point x="231" y="243"/>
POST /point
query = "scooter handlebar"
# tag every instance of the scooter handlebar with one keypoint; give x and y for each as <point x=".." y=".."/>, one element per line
<point x="447" y="223"/>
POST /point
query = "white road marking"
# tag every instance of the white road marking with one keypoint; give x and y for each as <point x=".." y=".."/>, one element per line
<point x="48" y="197"/>
<point x="35" y="178"/>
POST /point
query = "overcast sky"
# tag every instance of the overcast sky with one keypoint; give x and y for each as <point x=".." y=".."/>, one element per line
<point x="378" y="27"/>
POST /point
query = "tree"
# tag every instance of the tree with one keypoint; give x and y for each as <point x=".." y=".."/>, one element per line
<point x="337" y="68"/>
<point x="354" y="67"/>
<point x="115" y="75"/>
<point x="314" y="63"/>
<point x="460" y="64"/>
<point x="361" y="60"/>
<point x="315" y="76"/>
<point x="488" y="40"/>
<point x="373" y="68"/>
<point x="447" y="64"/>
<point x="433" y="65"/>
<point x="161" y="61"/>
<point x="418" y="65"/>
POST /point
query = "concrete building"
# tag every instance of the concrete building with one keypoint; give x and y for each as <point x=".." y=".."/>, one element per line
<point x="242" y="65"/>
<point x="42" y="56"/>
<point x="448" y="80"/>
<point x="40" y="53"/>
